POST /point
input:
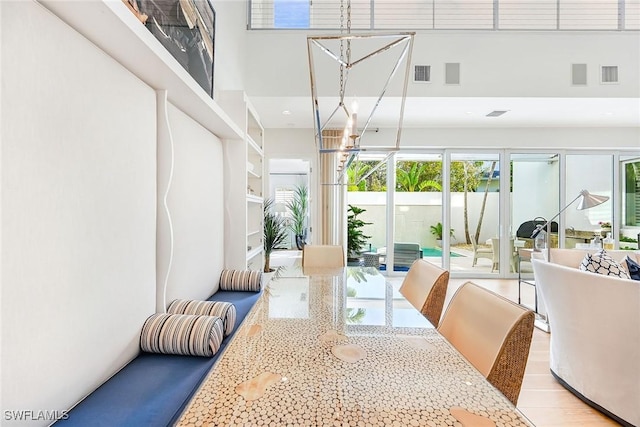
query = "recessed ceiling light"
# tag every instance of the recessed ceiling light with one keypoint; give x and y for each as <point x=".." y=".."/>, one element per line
<point x="286" y="112"/>
<point x="468" y="112"/>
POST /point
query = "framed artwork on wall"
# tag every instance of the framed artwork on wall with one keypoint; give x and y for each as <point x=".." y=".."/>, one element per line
<point x="186" y="28"/>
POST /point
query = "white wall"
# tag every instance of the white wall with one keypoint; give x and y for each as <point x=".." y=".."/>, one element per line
<point x="513" y="138"/>
<point x="416" y="212"/>
<point x="493" y="63"/>
<point x="196" y="210"/>
<point x="78" y="212"/>
<point x="230" y="59"/>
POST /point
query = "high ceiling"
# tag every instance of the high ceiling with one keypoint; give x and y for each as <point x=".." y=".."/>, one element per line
<point x="526" y="74"/>
<point x="424" y="112"/>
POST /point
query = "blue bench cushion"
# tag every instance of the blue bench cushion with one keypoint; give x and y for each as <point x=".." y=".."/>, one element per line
<point x="243" y="302"/>
<point x="224" y="310"/>
<point x="154" y="389"/>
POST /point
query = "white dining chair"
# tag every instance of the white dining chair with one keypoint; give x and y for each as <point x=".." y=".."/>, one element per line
<point x="492" y="333"/>
<point x="425" y="287"/>
<point x="317" y="256"/>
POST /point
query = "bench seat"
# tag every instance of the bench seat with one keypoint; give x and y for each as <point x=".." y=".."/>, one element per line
<point x="154" y="389"/>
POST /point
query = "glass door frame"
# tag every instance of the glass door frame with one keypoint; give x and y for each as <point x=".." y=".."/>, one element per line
<point x="504" y="222"/>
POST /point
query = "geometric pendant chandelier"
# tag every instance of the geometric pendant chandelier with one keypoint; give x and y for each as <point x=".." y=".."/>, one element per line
<point x="354" y="79"/>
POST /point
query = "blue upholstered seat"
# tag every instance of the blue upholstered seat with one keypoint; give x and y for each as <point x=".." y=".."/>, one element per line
<point x="154" y="389"/>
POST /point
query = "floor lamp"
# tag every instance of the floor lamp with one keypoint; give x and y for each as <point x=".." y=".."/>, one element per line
<point x="587" y="201"/>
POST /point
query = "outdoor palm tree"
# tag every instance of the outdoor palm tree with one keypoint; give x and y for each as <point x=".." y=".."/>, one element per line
<point x="484" y="200"/>
<point x="414" y="178"/>
<point x="356" y="239"/>
<point x="355" y="173"/>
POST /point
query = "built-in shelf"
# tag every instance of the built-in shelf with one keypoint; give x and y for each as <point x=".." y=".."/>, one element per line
<point x="253" y="253"/>
<point x="254" y="145"/>
<point x="245" y="185"/>
<point x="111" y="26"/>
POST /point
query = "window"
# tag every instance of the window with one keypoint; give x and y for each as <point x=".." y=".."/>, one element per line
<point x="291" y="14"/>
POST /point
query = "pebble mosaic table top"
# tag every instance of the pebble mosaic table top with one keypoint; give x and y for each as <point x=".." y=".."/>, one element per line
<point x="343" y="350"/>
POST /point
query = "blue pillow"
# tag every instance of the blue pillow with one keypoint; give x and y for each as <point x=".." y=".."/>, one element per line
<point x="633" y="268"/>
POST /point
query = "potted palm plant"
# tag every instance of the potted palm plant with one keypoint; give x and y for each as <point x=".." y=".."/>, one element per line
<point x="356" y="239"/>
<point x="436" y="230"/>
<point x="299" y="207"/>
<point x="274" y="234"/>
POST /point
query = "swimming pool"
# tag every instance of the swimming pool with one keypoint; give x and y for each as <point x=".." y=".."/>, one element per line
<point x="437" y="252"/>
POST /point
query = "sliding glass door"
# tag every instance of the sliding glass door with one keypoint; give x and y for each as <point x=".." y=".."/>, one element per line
<point x="418" y="228"/>
<point x="475" y="213"/>
<point x="367" y="201"/>
<point x="594" y="173"/>
<point x="534" y="190"/>
<point x="471" y="212"/>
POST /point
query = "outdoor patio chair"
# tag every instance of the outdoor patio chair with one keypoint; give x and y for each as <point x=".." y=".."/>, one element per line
<point x="480" y="252"/>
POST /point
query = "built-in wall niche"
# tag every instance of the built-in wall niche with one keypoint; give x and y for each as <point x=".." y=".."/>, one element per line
<point x="187" y="30"/>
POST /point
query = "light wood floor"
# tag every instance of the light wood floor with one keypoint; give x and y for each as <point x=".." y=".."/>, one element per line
<point x="542" y="399"/>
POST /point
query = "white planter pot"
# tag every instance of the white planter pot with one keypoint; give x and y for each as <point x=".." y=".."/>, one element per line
<point x="266" y="277"/>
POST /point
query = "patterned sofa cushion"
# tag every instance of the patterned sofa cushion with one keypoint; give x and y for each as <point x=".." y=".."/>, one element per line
<point x="633" y="268"/>
<point x="182" y="334"/>
<point x="224" y="310"/>
<point x="602" y="263"/>
<point x="241" y="280"/>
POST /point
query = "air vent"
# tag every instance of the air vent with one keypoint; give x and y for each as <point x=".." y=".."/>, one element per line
<point x="422" y="73"/>
<point x="609" y="74"/>
<point x="496" y="113"/>
<point x="579" y="74"/>
<point x="452" y="73"/>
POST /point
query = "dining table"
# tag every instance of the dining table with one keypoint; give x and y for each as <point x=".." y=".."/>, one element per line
<point x="343" y="347"/>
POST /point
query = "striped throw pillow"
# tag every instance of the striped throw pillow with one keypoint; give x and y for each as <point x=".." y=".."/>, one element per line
<point x="241" y="280"/>
<point x="224" y="310"/>
<point x="182" y="334"/>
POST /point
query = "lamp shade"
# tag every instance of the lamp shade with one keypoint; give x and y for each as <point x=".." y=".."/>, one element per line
<point x="588" y="200"/>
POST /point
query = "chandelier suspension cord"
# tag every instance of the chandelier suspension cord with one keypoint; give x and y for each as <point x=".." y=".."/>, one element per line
<point x="342" y="52"/>
<point x="348" y="32"/>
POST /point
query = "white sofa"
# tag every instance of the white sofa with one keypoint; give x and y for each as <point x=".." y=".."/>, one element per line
<point x="595" y="332"/>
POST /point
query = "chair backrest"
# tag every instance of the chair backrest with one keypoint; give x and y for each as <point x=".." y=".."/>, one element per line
<point x="322" y="256"/>
<point x="425" y="287"/>
<point x="495" y="248"/>
<point x="493" y="333"/>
